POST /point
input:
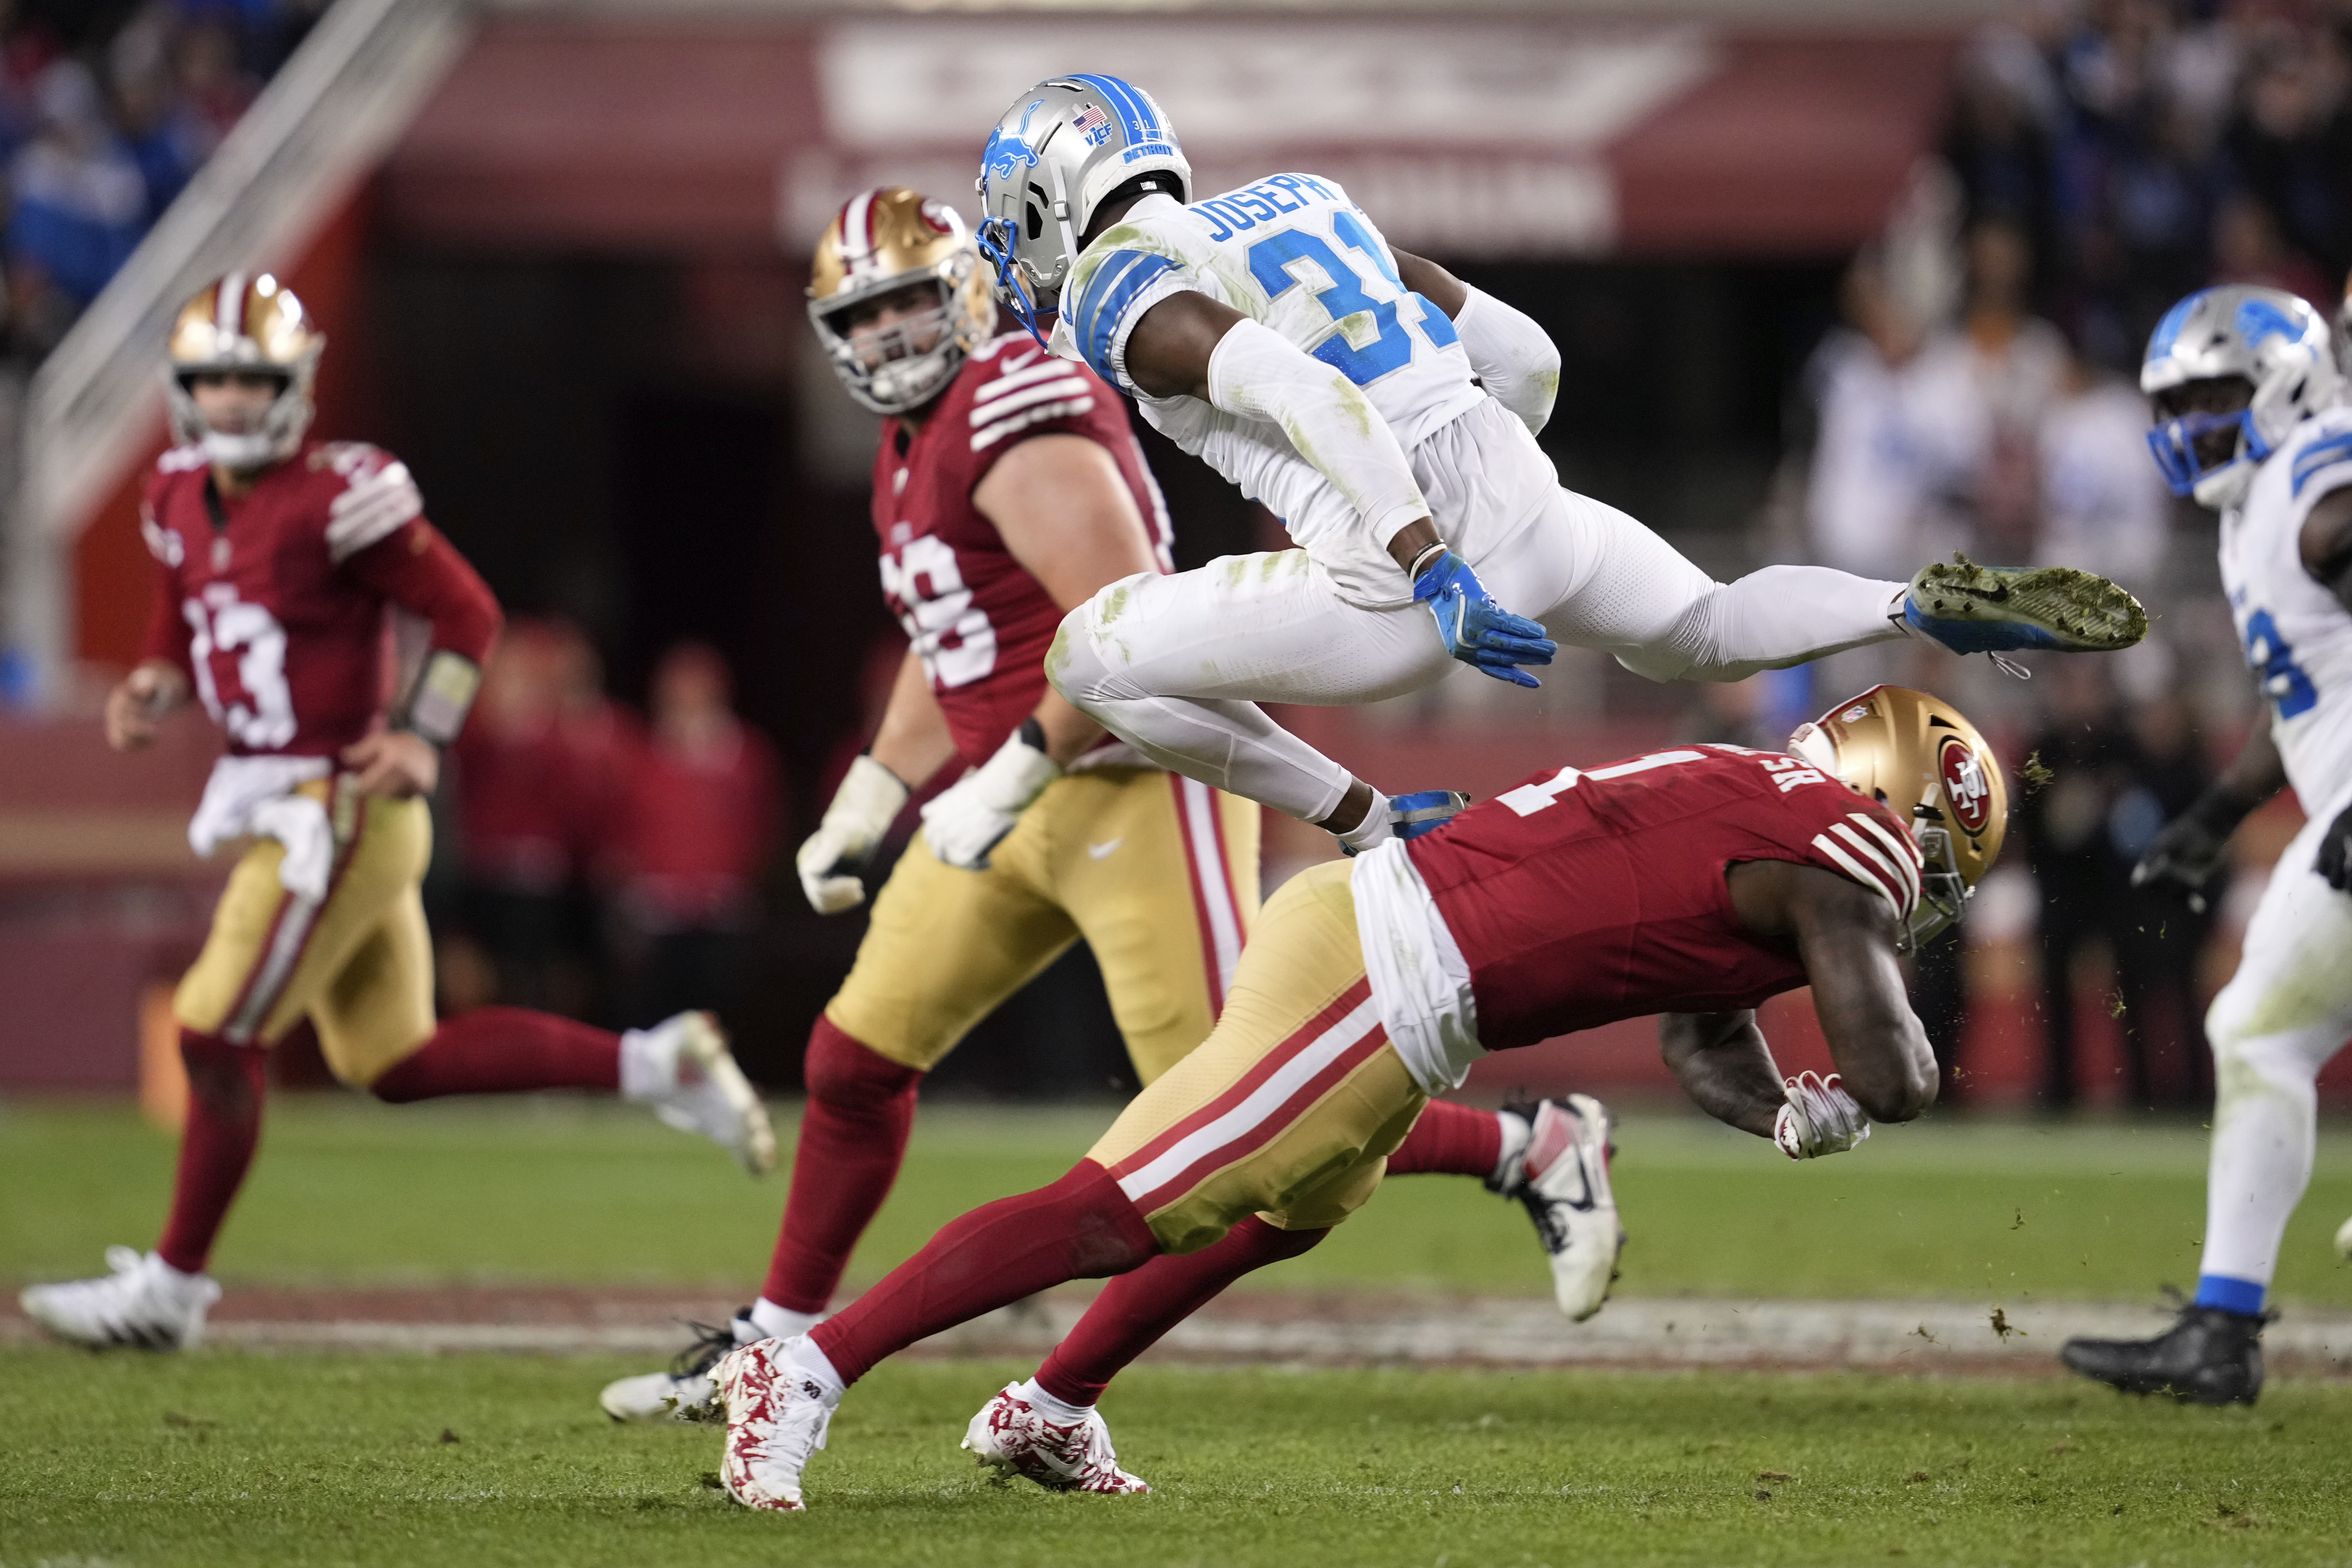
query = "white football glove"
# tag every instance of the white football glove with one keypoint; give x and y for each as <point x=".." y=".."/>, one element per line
<point x="863" y="808"/>
<point x="966" y="821"/>
<point x="1821" y="1118"/>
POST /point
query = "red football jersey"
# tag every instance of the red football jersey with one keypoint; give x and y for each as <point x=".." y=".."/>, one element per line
<point x="1579" y="897"/>
<point x="980" y="623"/>
<point x="279" y="617"/>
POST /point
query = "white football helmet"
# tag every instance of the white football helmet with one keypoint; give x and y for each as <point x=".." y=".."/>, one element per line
<point x="2268" y="337"/>
<point x="1053" y="159"/>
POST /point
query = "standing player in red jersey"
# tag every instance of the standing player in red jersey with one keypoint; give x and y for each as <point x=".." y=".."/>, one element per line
<point x="1007" y="488"/>
<point x="279" y="560"/>
<point x="1696" y="882"/>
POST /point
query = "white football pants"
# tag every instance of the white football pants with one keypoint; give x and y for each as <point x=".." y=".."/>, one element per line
<point x="1176" y="665"/>
<point x="2286" y="1010"/>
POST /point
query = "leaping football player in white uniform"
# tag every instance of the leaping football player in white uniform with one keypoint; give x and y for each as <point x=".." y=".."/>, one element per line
<point x="2254" y="428"/>
<point x="1385" y="410"/>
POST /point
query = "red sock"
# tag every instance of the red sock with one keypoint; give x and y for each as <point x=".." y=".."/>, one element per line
<point x="1081" y="1227"/>
<point x="861" y="1107"/>
<point x="504" y="1050"/>
<point x="1450" y="1140"/>
<point x="1138" y="1307"/>
<point x="225" y="1093"/>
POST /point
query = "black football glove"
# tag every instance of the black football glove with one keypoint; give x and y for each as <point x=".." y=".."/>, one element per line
<point x="2188" y="850"/>
<point x="2335" y="862"/>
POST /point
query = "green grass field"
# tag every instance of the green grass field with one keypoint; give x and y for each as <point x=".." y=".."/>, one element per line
<point x="349" y="1192"/>
<point x="299" y="1457"/>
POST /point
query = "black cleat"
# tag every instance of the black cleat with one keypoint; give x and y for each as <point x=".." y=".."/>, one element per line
<point x="2210" y="1357"/>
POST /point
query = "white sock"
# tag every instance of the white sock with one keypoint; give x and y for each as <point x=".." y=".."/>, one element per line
<point x="1373" y="831"/>
<point x="1060" y="1412"/>
<point x="649" y="1064"/>
<point x="1516" y="1133"/>
<point x="780" y="1322"/>
<point x="802" y="1352"/>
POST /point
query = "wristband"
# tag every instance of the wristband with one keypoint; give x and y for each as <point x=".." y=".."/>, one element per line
<point x="1421" y="562"/>
<point x="444" y="694"/>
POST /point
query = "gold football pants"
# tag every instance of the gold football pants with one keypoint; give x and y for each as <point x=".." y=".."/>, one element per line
<point x="1159" y="873"/>
<point x="1291" y="1109"/>
<point x="358" y="962"/>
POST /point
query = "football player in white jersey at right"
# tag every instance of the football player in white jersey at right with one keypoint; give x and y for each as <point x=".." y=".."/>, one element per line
<point x="2256" y="427"/>
<point x="1386" y="412"/>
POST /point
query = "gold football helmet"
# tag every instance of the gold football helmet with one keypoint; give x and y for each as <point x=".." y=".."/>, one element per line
<point x="880" y="242"/>
<point x="1927" y="764"/>
<point x="238" y="323"/>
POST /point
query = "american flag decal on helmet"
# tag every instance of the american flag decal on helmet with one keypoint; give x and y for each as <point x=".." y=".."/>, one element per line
<point x="1091" y="122"/>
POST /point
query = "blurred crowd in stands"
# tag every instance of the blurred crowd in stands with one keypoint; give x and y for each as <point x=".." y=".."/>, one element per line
<point x="2103" y="160"/>
<point x="103" y="122"/>
<point x="593" y="861"/>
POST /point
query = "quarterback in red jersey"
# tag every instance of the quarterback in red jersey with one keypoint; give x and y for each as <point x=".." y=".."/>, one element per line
<point x="278" y="560"/>
<point x="1694" y="882"/>
<point x="1008" y="488"/>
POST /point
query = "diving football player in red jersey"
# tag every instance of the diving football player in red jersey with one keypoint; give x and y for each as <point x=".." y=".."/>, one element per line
<point x="279" y="559"/>
<point x="1008" y="486"/>
<point x="1696" y="882"/>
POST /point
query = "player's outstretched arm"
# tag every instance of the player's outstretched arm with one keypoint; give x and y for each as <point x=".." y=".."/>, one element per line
<point x="1724" y="1065"/>
<point x="1189" y="346"/>
<point x="1847" y="936"/>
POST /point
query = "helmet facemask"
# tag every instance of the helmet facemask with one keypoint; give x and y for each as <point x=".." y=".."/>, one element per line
<point x="1944" y="893"/>
<point x="902" y="365"/>
<point x="894" y="250"/>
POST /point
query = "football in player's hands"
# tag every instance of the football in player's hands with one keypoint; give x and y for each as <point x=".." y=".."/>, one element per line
<point x="1820" y="1118"/>
<point x="2335" y="850"/>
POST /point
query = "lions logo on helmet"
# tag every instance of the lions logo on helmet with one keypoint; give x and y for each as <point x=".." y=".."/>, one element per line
<point x="238" y="325"/>
<point x="2267" y="338"/>
<point x="1929" y="765"/>
<point x="883" y="242"/>
<point x="1063" y="149"/>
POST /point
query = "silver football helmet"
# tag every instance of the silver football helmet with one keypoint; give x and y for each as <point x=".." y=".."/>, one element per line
<point x="1062" y="147"/>
<point x="2268" y="337"/>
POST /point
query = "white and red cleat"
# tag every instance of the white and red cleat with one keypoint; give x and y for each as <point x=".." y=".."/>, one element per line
<point x="1562" y="1180"/>
<point x="776" y="1418"/>
<point x="1013" y="1435"/>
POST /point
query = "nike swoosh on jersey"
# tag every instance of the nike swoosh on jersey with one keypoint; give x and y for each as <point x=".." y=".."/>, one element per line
<point x="1102" y="851"/>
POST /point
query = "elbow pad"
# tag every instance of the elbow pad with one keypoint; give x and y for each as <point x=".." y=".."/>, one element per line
<point x="1512" y="355"/>
<point x="443" y="696"/>
<point x="1258" y="373"/>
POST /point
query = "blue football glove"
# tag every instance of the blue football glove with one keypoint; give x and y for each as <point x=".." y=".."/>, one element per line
<point x="1478" y="631"/>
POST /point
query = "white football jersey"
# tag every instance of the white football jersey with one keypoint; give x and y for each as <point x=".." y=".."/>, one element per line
<point x="1292" y="253"/>
<point x="2297" y="637"/>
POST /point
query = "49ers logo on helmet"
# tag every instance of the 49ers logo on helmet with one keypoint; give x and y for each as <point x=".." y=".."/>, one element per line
<point x="1965" y="789"/>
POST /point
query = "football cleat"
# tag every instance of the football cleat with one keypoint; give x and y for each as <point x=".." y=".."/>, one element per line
<point x="1562" y="1181"/>
<point x="145" y="1304"/>
<point x="1016" y="1437"/>
<point x="687" y="1391"/>
<point x="2209" y="1356"/>
<point x="1970" y="608"/>
<point x="702" y="1090"/>
<point x="776" y="1419"/>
